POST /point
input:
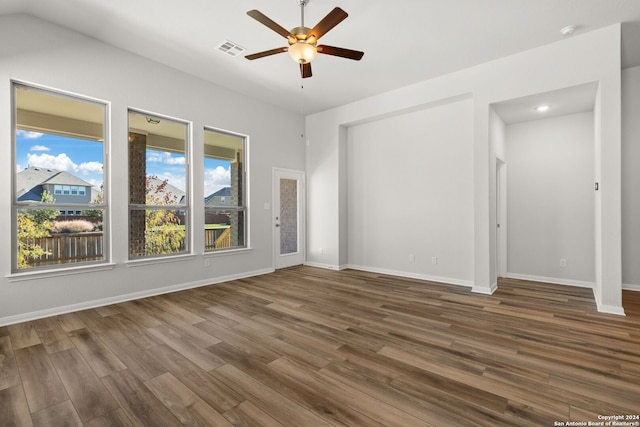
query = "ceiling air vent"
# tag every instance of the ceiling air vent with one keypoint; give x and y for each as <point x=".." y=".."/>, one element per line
<point x="230" y="48"/>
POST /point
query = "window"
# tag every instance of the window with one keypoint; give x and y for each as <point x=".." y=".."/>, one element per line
<point x="58" y="146"/>
<point x="158" y="189"/>
<point x="225" y="188"/>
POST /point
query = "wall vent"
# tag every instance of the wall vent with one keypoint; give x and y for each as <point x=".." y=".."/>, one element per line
<point x="230" y="48"/>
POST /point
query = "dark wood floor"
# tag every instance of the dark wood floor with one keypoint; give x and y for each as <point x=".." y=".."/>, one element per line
<point x="311" y="347"/>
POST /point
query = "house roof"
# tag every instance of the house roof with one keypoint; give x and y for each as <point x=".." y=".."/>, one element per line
<point x="223" y="192"/>
<point x="30" y="180"/>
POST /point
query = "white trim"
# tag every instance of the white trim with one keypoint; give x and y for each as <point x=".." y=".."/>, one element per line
<point x="484" y="291"/>
<point x="325" y="266"/>
<point x="159" y="260"/>
<point x="437" y="279"/>
<point x="553" y="280"/>
<point x="604" y="308"/>
<point x="631" y="287"/>
<point x="9" y="320"/>
<point x="300" y="256"/>
<point x="225" y="252"/>
<point x="66" y="271"/>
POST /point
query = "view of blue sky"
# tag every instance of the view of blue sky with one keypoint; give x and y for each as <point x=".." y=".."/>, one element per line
<point x="84" y="159"/>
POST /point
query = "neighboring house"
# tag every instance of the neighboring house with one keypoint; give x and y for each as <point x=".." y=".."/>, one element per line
<point x="63" y="186"/>
<point x="221" y="197"/>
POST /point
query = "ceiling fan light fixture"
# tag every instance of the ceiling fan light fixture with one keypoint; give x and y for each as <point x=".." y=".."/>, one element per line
<point x="302" y="52"/>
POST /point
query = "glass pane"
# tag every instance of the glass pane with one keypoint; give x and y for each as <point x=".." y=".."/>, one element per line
<point x="156" y="232"/>
<point x="224" y="184"/>
<point x="59" y="172"/>
<point x="158" y="181"/>
<point x="157" y="162"/>
<point x="44" y="238"/>
<point x="59" y="148"/>
<point x="223" y="169"/>
<point x="224" y="229"/>
<point x="288" y="216"/>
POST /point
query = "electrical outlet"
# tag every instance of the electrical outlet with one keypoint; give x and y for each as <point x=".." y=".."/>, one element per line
<point x="412" y="258"/>
<point x="321" y="251"/>
<point x="434" y="260"/>
<point x="563" y="263"/>
<point x="207" y="262"/>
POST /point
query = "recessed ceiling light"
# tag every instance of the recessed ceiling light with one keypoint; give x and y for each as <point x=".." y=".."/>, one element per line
<point x="568" y="30"/>
<point x="542" y="108"/>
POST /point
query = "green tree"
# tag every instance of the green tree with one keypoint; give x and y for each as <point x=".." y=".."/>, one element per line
<point x="95" y="213"/>
<point x="34" y="224"/>
<point x="42" y="216"/>
<point x="164" y="232"/>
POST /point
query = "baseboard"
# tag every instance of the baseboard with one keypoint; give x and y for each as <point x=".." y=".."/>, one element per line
<point x="631" y="287"/>
<point x="485" y="291"/>
<point x="325" y="266"/>
<point x="34" y="315"/>
<point x="603" y="308"/>
<point x="410" y="275"/>
<point x="554" y="280"/>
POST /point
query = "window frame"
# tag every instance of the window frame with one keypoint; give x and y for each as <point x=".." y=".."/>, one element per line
<point x="243" y="205"/>
<point x="186" y="209"/>
<point x="17" y="206"/>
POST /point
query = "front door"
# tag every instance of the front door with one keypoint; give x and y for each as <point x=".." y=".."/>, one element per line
<point x="288" y="217"/>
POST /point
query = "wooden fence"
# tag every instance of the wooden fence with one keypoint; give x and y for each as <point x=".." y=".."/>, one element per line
<point x="69" y="248"/>
<point x="217" y="238"/>
<point x="82" y="247"/>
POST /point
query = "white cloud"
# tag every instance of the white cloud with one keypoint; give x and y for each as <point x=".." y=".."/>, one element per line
<point x="90" y="167"/>
<point x="39" y="148"/>
<point x="95" y="184"/>
<point x="215" y="179"/>
<point x="27" y="134"/>
<point x="61" y="162"/>
<point x="164" y="157"/>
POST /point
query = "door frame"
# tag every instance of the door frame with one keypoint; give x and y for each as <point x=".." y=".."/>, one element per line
<point x="501" y="217"/>
<point x="299" y="257"/>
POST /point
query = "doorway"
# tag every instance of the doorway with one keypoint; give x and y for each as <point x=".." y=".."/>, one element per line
<point x="288" y="217"/>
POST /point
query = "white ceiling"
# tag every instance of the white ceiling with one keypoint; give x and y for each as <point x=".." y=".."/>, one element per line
<point x="404" y="41"/>
<point x="571" y="100"/>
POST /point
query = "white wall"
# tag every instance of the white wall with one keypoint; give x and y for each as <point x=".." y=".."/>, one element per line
<point x="586" y="58"/>
<point x="631" y="177"/>
<point x="54" y="57"/>
<point x="410" y="187"/>
<point x="551" y="198"/>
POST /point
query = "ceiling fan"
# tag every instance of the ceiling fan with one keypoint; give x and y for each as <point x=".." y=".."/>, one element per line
<point x="303" y="41"/>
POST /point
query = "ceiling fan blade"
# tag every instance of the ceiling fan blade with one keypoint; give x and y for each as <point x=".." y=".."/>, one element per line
<point x="266" y="53"/>
<point x="305" y="70"/>
<point x="268" y="22"/>
<point x="332" y="19"/>
<point x="356" y="55"/>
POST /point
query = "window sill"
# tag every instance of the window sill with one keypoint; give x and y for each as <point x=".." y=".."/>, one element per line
<point x="66" y="271"/>
<point x="214" y="254"/>
<point x="159" y="260"/>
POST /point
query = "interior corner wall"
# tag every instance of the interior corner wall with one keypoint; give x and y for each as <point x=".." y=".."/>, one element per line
<point x="585" y="58"/>
<point x="51" y="56"/>
<point x="550" y="196"/>
<point x="631" y="178"/>
<point x="410" y="186"/>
